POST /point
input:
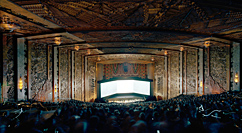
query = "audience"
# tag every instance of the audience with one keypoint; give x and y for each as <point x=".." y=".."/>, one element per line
<point x="217" y="113"/>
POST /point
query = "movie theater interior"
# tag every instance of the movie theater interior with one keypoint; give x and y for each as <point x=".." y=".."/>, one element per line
<point x="119" y="66"/>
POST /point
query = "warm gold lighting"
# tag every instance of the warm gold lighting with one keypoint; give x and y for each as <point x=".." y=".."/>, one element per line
<point x="165" y="52"/>
<point x="7" y="25"/>
<point x="201" y="83"/>
<point x="55" y="88"/>
<point x="88" y="51"/>
<point x="76" y="48"/>
<point x="98" y="58"/>
<point x="20" y="83"/>
<point x="236" y="78"/>
<point x="152" y="58"/>
<point x="207" y="43"/>
<point x="57" y="40"/>
<point x="181" y="48"/>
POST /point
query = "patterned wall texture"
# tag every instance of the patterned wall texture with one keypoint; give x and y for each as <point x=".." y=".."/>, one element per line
<point x="184" y="63"/>
<point x="91" y="73"/>
<point x="50" y="63"/>
<point x="173" y="76"/>
<point x="216" y="80"/>
<point x="191" y="71"/>
<point x="159" y="77"/>
<point x="69" y="73"/>
<point x="219" y="66"/>
<point x="205" y="67"/>
<point x="125" y="70"/>
<point x="38" y="72"/>
<point x="8" y="67"/>
<point x="63" y="74"/>
<point x="79" y="90"/>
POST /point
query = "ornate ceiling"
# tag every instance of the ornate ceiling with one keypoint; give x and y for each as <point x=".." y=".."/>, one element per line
<point x="120" y="26"/>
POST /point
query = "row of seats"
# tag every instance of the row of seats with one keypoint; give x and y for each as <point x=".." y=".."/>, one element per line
<point x="185" y="113"/>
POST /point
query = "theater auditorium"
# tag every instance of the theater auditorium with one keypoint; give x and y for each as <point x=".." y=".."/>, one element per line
<point x="116" y="66"/>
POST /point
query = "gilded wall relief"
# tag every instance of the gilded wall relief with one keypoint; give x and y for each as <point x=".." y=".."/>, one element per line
<point x="191" y="71"/>
<point x="8" y="67"/>
<point x="216" y="69"/>
<point x="79" y="90"/>
<point x="184" y="72"/>
<point x="38" y="72"/>
<point x="219" y="57"/>
<point x="159" y="77"/>
<point x="91" y="81"/>
<point x="173" y="76"/>
<point x="63" y="74"/>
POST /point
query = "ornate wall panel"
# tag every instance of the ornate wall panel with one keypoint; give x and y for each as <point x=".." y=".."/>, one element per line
<point x="63" y="74"/>
<point x="191" y="71"/>
<point x="125" y="70"/>
<point x="206" y="74"/>
<point x="79" y="90"/>
<point x="38" y="72"/>
<point x="91" y="73"/>
<point x="8" y="67"/>
<point x="50" y="63"/>
<point x="159" y="77"/>
<point x="69" y="73"/>
<point x="216" y="69"/>
<point x="218" y="65"/>
<point x="184" y="71"/>
<point x="173" y="76"/>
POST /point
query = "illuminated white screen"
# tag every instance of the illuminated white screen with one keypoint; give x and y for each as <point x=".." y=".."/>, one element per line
<point x="125" y="86"/>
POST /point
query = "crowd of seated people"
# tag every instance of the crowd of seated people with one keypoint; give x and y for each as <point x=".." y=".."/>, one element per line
<point x="217" y="113"/>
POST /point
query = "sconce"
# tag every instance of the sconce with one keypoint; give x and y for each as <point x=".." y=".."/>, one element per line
<point x="20" y="84"/>
<point x="236" y="78"/>
<point x="152" y="58"/>
<point x="76" y="48"/>
<point x="98" y="58"/>
<point x="207" y="43"/>
<point x="165" y="53"/>
<point x="181" y="48"/>
<point x="57" y="40"/>
<point x="201" y="84"/>
<point x="88" y="51"/>
<point x="55" y="88"/>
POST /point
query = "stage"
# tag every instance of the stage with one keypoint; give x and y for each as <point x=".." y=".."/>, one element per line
<point x="125" y="97"/>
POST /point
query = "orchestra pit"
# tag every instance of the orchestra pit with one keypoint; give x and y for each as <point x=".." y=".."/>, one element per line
<point x="118" y="66"/>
